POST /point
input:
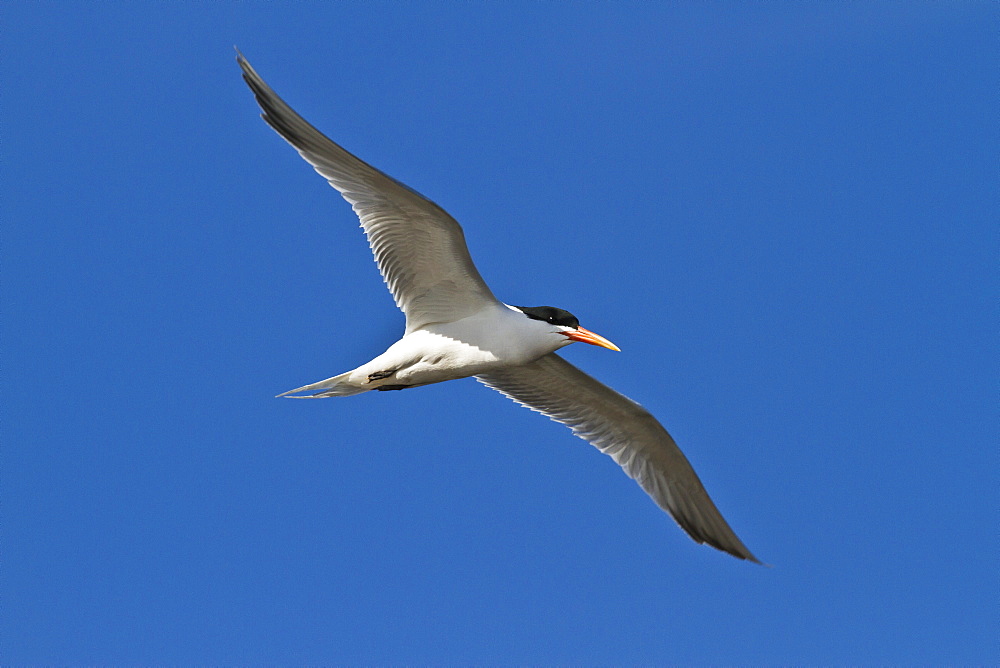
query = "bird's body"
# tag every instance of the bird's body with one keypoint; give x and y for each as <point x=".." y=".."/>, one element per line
<point x="456" y="328"/>
<point x="494" y="338"/>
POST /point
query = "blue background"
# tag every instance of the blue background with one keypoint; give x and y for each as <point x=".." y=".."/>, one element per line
<point x="784" y="214"/>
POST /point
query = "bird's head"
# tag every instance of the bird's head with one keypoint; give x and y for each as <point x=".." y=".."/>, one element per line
<point x="565" y="323"/>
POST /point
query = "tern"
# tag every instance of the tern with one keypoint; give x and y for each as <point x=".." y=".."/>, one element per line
<point x="456" y="328"/>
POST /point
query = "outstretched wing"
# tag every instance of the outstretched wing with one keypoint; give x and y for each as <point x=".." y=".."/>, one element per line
<point x="626" y="431"/>
<point x="419" y="248"/>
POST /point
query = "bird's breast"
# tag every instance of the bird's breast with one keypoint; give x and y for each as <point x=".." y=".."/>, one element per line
<point x="499" y="336"/>
<point x="468" y="347"/>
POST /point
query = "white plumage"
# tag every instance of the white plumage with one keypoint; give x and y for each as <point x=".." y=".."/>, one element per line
<point x="456" y="328"/>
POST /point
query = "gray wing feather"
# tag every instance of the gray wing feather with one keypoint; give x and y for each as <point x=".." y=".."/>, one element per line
<point x="626" y="431"/>
<point x="419" y="248"/>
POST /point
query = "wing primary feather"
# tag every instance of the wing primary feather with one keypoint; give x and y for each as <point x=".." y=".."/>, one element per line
<point x="420" y="249"/>
<point x="627" y="432"/>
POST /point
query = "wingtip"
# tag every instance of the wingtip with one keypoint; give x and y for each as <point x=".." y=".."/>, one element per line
<point x="739" y="551"/>
<point x="745" y="555"/>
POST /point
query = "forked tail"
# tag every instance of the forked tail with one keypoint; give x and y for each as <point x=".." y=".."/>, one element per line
<point x="338" y="386"/>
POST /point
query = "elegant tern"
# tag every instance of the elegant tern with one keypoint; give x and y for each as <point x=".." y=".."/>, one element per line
<point x="456" y="328"/>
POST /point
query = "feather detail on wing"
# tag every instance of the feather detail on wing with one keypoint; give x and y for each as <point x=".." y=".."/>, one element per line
<point x="626" y="431"/>
<point x="419" y="248"/>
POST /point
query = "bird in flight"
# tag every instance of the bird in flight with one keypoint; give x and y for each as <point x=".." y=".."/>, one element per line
<point x="456" y="328"/>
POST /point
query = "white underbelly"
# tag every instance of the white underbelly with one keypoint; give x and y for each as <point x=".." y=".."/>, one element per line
<point x="459" y="349"/>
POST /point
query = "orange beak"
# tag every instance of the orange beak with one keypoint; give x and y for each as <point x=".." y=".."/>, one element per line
<point x="586" y="336"/>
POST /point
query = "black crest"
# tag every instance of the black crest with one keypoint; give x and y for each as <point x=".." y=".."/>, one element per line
<point x="551" y="315"/>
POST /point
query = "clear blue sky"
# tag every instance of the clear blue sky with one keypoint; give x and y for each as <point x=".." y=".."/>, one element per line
<point x="785" y="215"/>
